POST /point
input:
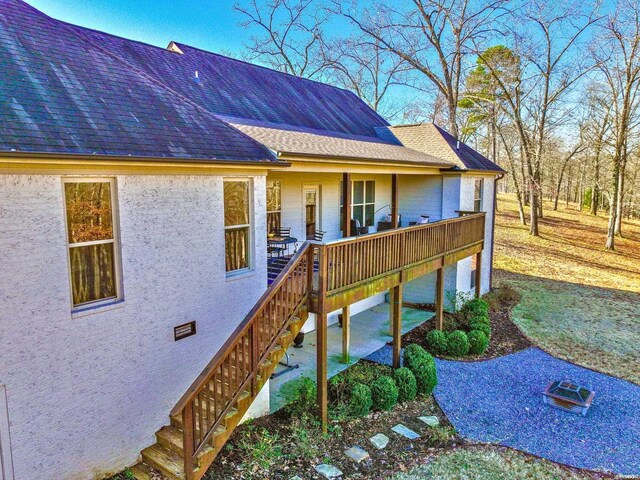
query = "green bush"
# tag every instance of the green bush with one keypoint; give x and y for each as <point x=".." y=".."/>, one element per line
<point x="457" y="344"/>
<point x="475" y="307"/>
<point x="305" y="397"/>
<point x="483" y="327"/>
<point x="360" y="401"/>
<point x="423" y="367"/>
<point x="407" y="386"/>
<point x="478" y="342"/>
<point x="480" y="319"/>
<point x="384" y="393"/>
<point x="436" y="342"/>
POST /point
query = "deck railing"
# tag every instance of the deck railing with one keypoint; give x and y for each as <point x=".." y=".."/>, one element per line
<point x="353" y="261"/>
<point x="235" y="367"/>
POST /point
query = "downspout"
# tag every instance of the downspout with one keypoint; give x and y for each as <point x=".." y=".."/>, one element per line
<point x="493" y="226"/>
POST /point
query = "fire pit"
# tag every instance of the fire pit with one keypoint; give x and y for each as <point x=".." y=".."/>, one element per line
<point x="568" y="396"/>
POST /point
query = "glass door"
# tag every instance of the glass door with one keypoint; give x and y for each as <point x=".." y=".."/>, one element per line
<point x="311" y="196"/>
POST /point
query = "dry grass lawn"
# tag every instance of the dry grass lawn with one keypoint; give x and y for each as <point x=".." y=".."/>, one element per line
<point x="490" y="463"/>
<point x="579" y="301"/>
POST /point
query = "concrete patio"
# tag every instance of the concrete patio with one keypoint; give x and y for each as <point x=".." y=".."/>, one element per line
<point x="369" y="332"/>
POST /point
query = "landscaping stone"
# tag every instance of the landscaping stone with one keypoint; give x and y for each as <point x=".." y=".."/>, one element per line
<point x="379" y="441"/>
<point x="405" y="432"/>
<point x="431" y="420"/>
<point x="297" y="477"/>
<point x="328" y="471"/>
<point x="356" y="454"/>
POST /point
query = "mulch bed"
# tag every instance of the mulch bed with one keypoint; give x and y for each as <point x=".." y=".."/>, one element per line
<point x="506" y="337"/>
<point x="400" y="455"/>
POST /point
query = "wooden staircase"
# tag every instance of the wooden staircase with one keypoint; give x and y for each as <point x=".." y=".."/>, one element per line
<point x="221" y="395"/>
<point x="348" y="270"/>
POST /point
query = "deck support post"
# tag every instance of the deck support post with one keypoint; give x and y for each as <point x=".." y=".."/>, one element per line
<point x="346" y="221"/>
<point x="394" y="224"/>
<point x="321" y="347"/>
<point x="440" y="298"/>
<point x="478" y="274"/>
<point x="396" y="323"/>
<point x="346" y="333"/>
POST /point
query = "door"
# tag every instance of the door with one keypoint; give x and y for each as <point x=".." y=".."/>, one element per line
<point x="311" y="195"/>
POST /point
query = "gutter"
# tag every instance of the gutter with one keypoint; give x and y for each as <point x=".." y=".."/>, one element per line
<point x="329" y="158"/>
<point x="493" y="226"/>
<point x="131" y="158"/>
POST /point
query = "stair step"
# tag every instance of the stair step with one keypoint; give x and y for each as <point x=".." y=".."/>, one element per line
<point x="171" y="437"/>
<point x="167" y="462"/>
<point x="142" y="471"/>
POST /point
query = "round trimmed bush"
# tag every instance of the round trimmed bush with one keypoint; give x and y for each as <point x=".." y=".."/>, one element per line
<point x="384" y="393"/>
<point x="478" y="342"/>
<point x="474" y="307"/>
<point x="421" y="363"/>
<point x="407" y="386"/>
<point x="457" y="344"/>
<point x="360" y="401"/>
<point x="480" y="319"/>
<point x="483" y="327"/>
<point x="436" y="342"/>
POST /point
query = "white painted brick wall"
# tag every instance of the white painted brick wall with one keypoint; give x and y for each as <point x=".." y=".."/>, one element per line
<point x="86" y="394"/>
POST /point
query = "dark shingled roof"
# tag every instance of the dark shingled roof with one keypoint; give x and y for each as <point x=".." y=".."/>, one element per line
<point x="60" y="94"/>
<point x="72" y="90"/>
<point x="430" y="138"/>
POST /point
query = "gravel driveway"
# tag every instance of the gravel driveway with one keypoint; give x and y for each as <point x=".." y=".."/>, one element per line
<point x="500" y="401"/>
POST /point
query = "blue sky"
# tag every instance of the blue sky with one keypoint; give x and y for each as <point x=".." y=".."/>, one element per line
<point x="207" y="24"/>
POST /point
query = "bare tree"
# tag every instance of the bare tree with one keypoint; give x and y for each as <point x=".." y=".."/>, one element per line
<point x="432" y="36"/>
<point x="550" y="68"/>
<point x="288" y="35"/>
<point x="367" y="69"/>
<point x="618" y="54"/>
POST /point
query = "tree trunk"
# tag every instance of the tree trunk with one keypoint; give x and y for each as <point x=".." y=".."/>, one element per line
<point x="620" y="200"/>
<point x="533" y="211"/>
<point x="595" y="190"/>
<point x="613" y="208"/>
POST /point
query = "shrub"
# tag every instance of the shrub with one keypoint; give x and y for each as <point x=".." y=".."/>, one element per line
<point x="478" y="342"/>
<point x="360" y="402"/>
<point x="475" y="307"/>
<point x="479" y="318"/>
<point x="423" y="367"/>
<point x="436" y="342"/>
<point x="304" y="397"/>
<point x="407" y="386"/>
<point x="384" y="393"/>
<point x="482" y="326"/>
<point x="457" y="344"/>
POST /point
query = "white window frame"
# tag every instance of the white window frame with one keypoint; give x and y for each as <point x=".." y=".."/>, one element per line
<point x="117" y="261"/>
<point x="250" y="251"/>
<point x="364" y="201"/>
<point x="480" y="199"/>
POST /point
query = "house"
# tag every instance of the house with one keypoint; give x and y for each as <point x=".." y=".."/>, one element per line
<point x="138" y="186"/>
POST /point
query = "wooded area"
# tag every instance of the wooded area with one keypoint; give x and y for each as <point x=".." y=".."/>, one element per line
<point x="548" y="90"/>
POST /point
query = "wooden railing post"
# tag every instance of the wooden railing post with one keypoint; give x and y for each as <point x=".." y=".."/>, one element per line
<point x="440" y="298"/>
<point x="478" y="274"/>
<point x="188" y="440"/>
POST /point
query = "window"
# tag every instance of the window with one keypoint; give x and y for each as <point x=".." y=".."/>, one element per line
<point x="477" y="194"/>
<point x="92" y="240"/>
<point x="274" y="205"/>
<point x="237" y="225"/>
<point x="474" y="266"/>
<point x="363" y="201"/>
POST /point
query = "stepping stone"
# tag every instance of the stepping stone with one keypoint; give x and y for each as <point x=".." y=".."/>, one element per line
<point x="405" y="432"/>
<point x="328" y="471"/>
<point x="379" y="441"/>
<point x="357" y="454"/>
<point x="297" y="477"/>
<point x="431" y="420"/>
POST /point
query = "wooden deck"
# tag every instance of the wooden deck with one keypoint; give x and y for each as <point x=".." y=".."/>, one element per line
<point x="320" y="277"/>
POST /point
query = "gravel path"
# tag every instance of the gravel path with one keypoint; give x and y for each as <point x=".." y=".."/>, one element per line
<point x="500" y="401"/>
